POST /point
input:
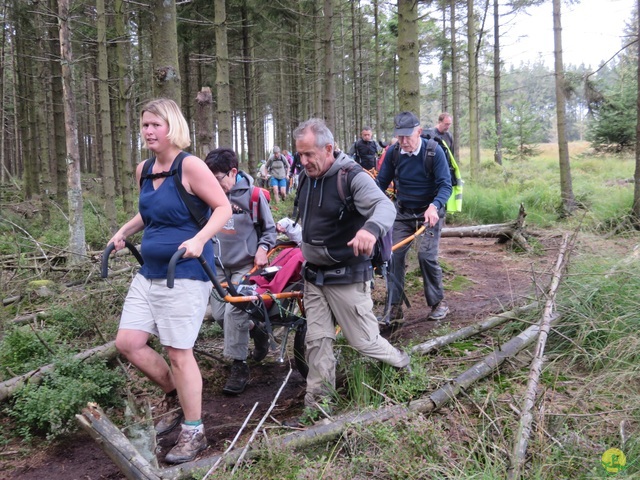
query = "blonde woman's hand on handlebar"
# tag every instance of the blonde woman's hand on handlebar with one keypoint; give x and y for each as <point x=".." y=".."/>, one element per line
<point x="193" y="247"/>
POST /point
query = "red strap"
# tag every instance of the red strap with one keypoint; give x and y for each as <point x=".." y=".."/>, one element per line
<point x="255" y="198"/>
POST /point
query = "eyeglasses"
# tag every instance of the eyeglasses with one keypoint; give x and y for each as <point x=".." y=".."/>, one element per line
<point x="221" y="177"/>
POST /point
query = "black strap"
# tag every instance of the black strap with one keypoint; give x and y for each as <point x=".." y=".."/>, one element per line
<point x="296" y="210"/>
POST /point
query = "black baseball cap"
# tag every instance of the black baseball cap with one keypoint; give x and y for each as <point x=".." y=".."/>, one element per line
<point x="404" y="123"/>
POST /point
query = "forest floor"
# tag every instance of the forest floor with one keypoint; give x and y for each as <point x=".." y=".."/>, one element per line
<point x="495" y="278"/>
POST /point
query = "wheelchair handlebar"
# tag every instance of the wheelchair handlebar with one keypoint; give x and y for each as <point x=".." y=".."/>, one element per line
<point x="104" y="272"/>
<point x="171" y="271"/>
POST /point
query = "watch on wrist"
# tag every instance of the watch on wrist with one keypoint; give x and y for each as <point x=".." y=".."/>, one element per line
<point x="434" y="206"/>
<point x="264" y="247"/>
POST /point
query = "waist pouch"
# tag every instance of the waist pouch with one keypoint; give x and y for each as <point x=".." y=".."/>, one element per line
<point x="337" y="274"/>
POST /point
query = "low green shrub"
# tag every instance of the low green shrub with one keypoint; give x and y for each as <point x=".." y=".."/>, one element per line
<point x="49" y="409"/>
<point x="21" y="350"/>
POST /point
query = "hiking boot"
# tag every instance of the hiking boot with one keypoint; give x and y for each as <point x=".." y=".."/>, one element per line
<point x="190" y="443"/>
<point x="238" y="378"/>
<point x="260" y="342"/>
<point x="396" y="320"/>
<point x="439" y="311"/>
<point x="397" y="314"/>
<point x="406" y="370"/>
<point x="171" y="414"/>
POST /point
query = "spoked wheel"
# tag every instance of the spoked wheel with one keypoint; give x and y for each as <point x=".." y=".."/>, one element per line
<point x="292" y="315"/>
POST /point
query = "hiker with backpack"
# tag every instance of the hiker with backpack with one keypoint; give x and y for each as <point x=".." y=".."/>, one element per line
<point x="422" y="182"/>
<point x="337" y="244"/>
<point x="365" y="150"/>
<point x="173" y="315"/>
<point x="278" y="168"/>
<point x="244" y="242"/>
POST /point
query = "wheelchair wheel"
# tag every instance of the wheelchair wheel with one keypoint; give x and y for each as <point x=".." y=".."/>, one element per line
<point x="299" y="350"/>
<point x="288" y="314"/>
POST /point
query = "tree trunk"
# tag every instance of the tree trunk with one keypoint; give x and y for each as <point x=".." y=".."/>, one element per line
<point x="77" y="247"/>
<point x="455" y="81"/>
<point x="43" y="148"/>
<point x="566" y="189"/>
<point x="497" y="98"/>
<point x="164" y="42"/>
<point x="123" y="102"/>
<point x="94" y="421"/>
<point x="408" y="53"/>
<point x="57" y="124"/>
<point x="636" y="175"/>
<point x="346" y="126"/>
<point x="317" y="60"/>
<point x="248" y="91"/>
<point x="377" y="71"/>
<point x="223" y="93"/>
<point x="444" y="66"/>
<point x="24" y="106"/>
<point x="329" y="81"/>
<point x="474" y="129"/>
<point x="108" y="179"/>
<point x="3" y="168"/>
<point x="204" y="122"/>
<point x="471" y="330"/>
<point x="504" y="232"/>
<point x="355" y="119"/>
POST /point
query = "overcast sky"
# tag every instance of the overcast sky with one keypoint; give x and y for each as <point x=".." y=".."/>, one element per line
<point x="592" y="32"/>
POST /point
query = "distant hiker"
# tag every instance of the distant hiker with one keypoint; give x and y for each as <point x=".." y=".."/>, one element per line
<point x="278" y="168"/>
<point x="365" y="151"/>
<point x="173" y="315"/>
<point x="441" y="130"/>
<point x="263" y="175"/>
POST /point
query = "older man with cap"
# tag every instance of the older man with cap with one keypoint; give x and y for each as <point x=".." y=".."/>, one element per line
<point x="422" y="190"/>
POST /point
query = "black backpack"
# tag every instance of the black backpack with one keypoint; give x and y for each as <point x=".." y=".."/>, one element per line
<point x="383" y="248"/>
<point x="428" y="158"/>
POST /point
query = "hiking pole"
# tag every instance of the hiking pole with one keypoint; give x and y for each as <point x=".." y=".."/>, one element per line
<point x="410" y="238"/>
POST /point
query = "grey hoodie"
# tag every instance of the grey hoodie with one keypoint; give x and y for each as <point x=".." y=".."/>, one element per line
<point x="239" y="238"/>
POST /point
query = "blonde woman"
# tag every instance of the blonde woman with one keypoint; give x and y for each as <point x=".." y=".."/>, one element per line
<point x="173" y="315"/>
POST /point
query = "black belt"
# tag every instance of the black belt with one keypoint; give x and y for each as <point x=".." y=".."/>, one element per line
<point x="340" y="274"/>
<point x="412" y="211"/>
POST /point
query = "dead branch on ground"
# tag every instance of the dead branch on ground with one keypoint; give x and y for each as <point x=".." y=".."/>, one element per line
<point x="472" y="330"/>
<point x="526" y="418"/>
<point x="504" y="232"/>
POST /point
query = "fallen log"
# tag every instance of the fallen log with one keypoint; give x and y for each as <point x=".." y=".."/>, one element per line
<point x="134" y="466"/>
<point x="504" y="232"/>
<point x="471" y="330"/>
<point x="8" y="387"/>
